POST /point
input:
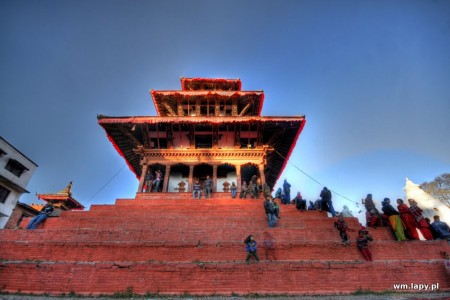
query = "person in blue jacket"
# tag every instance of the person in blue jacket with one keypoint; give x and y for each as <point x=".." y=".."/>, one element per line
<point x="251" y="247"/>
<point x="41" y="217"/>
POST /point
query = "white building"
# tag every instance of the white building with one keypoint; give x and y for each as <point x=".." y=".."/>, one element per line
<point x="429" y="205"/>
<point x="15" y="172"/>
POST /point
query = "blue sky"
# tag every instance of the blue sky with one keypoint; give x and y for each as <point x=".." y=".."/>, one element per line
<point x="372" y="78"/>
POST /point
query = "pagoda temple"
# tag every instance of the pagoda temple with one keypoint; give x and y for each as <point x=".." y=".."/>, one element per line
<point x="166" y="244"/>
<point x="208" y="128"/>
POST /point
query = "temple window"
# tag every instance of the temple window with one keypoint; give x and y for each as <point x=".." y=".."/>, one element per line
<point x="2" y="152"/>
<point x="3" y="194"/>
<point x="203" y="141"/>
<point x="15" y="167"/>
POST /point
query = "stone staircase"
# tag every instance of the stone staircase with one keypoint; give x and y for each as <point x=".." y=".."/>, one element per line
<point x="170" y="244"/>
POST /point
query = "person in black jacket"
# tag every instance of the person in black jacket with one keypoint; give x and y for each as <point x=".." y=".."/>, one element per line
<point x="326" y="200"/>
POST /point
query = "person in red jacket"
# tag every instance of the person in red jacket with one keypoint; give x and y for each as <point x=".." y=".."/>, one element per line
<point x="408" y="219"/>
<point x="421" y="222"/>
<point x="362" y="242"/>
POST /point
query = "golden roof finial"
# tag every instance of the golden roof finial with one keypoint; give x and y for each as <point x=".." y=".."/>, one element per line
<point x="67" y="190"/>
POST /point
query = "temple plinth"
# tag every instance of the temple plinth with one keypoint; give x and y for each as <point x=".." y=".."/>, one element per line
<point x="209" y="128"/>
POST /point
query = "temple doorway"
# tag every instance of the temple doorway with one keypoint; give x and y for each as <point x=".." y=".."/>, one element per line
<point x="201" y="171"/>
<point x="178" y="178"/>
<point x="153" y="168"/>
<point x="226" y="174"/>
<point x="248" y="170"/>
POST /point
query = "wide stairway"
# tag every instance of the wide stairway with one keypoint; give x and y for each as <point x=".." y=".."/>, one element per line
<point x="167" y="244"/>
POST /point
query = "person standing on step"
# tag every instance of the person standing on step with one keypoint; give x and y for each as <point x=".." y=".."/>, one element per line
<point x="421" y="222"/>
<point x="233" y="189"/>
<point x="270" y="213"/>
<point x="41" y="217"/>
<point x="394" y="219"/>
<point x="326" y="196"/>
<point x="208" y="187"/>
<point x="408" y="219"/>
<point x="287" y="192"/>
<point x="149" y="178"/>
<point x="196" y="190"/>
<point x="157" y="182"/>
<point x="362" y="242"/>
<point x="251" y="248"/>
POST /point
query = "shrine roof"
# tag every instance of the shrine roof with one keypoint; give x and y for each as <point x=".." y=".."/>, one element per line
<point x="166" y="101"/>
<point x="127" y="134"/>
<point x="191" y="84"/>
<point x="64" y="195"/>
<point x="74" y="204"/>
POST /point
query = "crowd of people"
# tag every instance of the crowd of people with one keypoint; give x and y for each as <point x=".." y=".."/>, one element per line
<point x="406" y="221"/>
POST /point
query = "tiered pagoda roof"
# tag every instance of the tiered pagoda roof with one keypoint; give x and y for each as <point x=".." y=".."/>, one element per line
<point x="279" y="133"/>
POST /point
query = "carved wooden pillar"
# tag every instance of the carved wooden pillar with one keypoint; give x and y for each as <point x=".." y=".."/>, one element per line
<point x="180" y="109"/>
<point x="215" y="137"/>
<point x="191" y="136"/>
<point x="216" y="108"/>
<point x="142" y="179"/>
<point x="237" y="136"/>
<point x="214" y="178"/>
<point x="197" y="108"/>
<point x="262" y="176"/>
<point x="234" y="108"/>
<point x="166" y="179"/>
<point x="259" y="136"/>
<point x="169" y="134"/>
<point x="191" y="178"/>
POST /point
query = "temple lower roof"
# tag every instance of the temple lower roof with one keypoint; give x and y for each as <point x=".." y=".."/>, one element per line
<point x="280" y="133"/>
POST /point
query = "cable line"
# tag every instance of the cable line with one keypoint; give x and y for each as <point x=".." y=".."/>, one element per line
<point x="109" y="181"/>
<point x="314" y="179"/>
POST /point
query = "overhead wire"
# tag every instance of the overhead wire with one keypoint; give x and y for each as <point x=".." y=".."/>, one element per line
<point x="313" y="179"/>
<point x="108" y="182"/>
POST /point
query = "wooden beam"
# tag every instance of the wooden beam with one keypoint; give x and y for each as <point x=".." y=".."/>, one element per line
<point x="169" y="109"/>
<point x="245" y="109"/>
<point x="130" y="136"/>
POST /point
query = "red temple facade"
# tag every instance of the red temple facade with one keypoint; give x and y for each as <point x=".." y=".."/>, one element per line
<point x="208" y="128"/>
<point x="159" y="244"/>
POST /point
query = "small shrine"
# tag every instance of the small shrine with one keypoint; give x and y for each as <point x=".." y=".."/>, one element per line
<point x="208" y="128"/>
<point x="62" y="200"/>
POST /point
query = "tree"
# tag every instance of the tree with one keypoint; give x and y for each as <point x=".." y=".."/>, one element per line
<point x="439" y="188"/>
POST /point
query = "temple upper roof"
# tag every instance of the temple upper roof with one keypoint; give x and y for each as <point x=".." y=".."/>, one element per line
<point x="210" y="84"/>
<point x="208" y="97"/>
